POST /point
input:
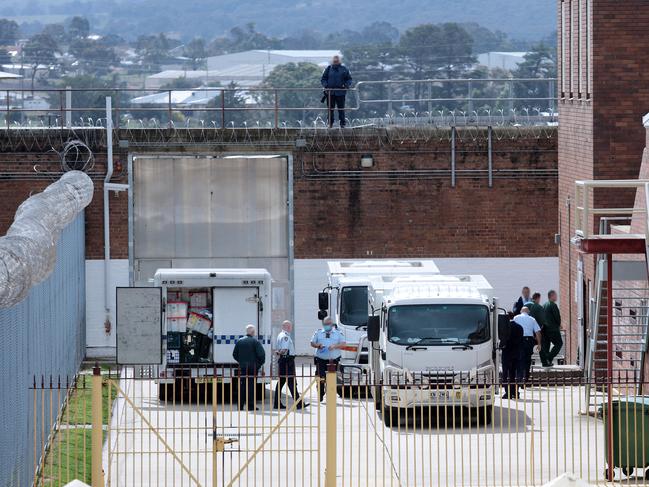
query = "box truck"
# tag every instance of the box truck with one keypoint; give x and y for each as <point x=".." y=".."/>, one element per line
<point x="345" y="298"/>
<point x="188" y="321"/>
<point x="433" y="343"/>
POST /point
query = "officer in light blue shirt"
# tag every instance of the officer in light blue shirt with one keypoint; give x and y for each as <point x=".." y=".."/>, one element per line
<point x="328" y="342"/>
<point x="285" y="349"/>
<point x="531" y="337"/>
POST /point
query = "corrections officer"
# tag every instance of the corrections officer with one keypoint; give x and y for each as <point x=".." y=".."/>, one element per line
<point x="286" y="364"/>
<point x="512" y="351"/>
<point x="551" y="331"/>
<point x="250" y="356"/>
<point x="327" y="341"/>
<point x="522" y="300"/>
<point x="531" y="337"/>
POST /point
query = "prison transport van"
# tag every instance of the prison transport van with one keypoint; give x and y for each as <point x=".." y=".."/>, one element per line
<point x="433" y="345"/>
<point x="188" y="322"/>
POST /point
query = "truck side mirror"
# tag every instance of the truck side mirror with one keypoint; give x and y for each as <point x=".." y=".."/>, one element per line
<point x="373" y="328"/>
<point x="323" y="301"/>
<point x="322" y="314"/>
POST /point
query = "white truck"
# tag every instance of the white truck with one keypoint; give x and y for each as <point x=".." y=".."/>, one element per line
<point x="188" y="322"/>
<point x="434" y="343"/>
<point x="345" y="298"/>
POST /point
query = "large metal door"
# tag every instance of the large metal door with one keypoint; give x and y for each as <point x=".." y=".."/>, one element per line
<point x="219" y="212"/>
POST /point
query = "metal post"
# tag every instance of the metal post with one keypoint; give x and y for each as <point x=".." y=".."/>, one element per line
<point x="97" y="431"/>
<point x="470" y="97"/>
<point x="68" y="106"/>
<point x="276" y="109"/>
<point x="453" y="129"/>
<point x="222" y="109"/>
<point x="169" y="109"/>
<point x="609" y="362"/>
<point x="7" y="116"/>
<point x="490" y="164"/>
<point x="330" y="469"/>
<point x="511" y="96"/>
<point x="389" y="99"/>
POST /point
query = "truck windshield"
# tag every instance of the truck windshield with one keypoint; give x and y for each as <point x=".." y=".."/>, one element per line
<point x="353" y="306"/>
<point x="438" y="324"/>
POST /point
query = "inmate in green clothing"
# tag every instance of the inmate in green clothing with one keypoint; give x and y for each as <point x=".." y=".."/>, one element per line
<point x="537" y="312"/>
<point x="552" y="315"/>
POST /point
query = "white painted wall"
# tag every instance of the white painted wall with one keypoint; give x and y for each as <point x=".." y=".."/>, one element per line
<point x="506" y="275"/>
<point x="100" y="344"/>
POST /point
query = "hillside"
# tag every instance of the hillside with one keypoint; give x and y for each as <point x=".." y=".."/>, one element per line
<point x="521" y="19"/>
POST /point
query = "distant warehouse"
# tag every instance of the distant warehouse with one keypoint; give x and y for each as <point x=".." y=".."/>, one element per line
<point x="246" y="69"/>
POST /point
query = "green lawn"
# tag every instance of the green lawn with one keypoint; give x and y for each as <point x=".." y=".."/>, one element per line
<point x="69" y="456"/>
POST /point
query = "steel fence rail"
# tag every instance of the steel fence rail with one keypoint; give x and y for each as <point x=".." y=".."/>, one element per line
<point x="369" y="102"/>
<point x="43" y="333"/>
<point x="407" y="429"/>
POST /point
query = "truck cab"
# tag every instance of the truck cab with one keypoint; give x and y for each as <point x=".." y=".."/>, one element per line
<point x="346" y="297"/>
<point x="433" y="343"/>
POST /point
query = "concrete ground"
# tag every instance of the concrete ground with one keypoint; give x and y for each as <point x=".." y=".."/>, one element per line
<point x="531" y="441"/>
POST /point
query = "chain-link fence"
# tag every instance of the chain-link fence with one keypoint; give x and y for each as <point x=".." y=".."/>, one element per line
<point x="43" y="333"/>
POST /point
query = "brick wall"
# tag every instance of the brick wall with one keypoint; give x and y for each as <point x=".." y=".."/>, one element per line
<point x="403" y="206"/>
<point x="604" y="89"/>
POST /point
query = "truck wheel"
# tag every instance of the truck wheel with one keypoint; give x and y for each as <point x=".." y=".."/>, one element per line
<point x="390" y="416"/>
<point x="484" y="415"/>
<point x="165" y="392"/>
<point x="376" y="394"/>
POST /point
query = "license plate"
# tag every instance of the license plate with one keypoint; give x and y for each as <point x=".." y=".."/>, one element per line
<point x="440" y="395"/>
<point x="208" y="380"/>
<point x="446" y="395"/>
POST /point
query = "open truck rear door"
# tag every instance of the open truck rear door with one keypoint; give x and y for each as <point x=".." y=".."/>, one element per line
<point x="139" y="325"/>
<point x="234" y="308"/>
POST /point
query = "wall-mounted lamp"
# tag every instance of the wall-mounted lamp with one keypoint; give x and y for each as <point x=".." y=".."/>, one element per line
<point x="367" y="160"/>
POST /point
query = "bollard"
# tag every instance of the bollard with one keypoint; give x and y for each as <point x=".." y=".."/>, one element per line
<point x="97" y="429"/>
<point x="330" y="447"/>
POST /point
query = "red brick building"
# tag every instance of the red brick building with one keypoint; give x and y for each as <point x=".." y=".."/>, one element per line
<point x="604" y="92"/>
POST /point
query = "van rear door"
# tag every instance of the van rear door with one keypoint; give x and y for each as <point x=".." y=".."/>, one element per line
<point x="234" y="308"/>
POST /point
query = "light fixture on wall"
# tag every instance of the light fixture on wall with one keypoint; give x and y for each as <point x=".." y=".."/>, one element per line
<point x="367" y="160"/>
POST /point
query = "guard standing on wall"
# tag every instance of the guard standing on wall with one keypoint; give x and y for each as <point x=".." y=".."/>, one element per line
<point x="285" y="348"/>
<point x="250" y="356"/>
<point x="327" y="341"/>
<point x="336" y="80"/>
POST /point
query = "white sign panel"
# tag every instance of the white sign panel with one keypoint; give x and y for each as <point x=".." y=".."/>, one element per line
<point x="139" y="325"/>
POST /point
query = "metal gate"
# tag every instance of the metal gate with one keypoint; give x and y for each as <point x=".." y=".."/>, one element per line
<point x="199" y="211"/>
<point x="198" y="436"/>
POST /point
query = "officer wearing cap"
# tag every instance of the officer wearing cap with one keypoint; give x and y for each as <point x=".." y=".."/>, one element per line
<point x="328" y="342"/>
<point x="285" y="349"/>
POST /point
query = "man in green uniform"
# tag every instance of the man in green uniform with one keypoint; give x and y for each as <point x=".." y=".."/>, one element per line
<point x="551" y="332"/>
<point x="536" y="309"/>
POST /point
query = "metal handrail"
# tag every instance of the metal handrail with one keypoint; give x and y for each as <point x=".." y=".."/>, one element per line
<point x="585" y="209"/>
<point x="274" y="100"/>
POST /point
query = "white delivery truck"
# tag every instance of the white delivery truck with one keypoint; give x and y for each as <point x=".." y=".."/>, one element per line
<point x="345" y="298"/>
<point x="434" y="343"/>
<point x="199" y="314"/>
